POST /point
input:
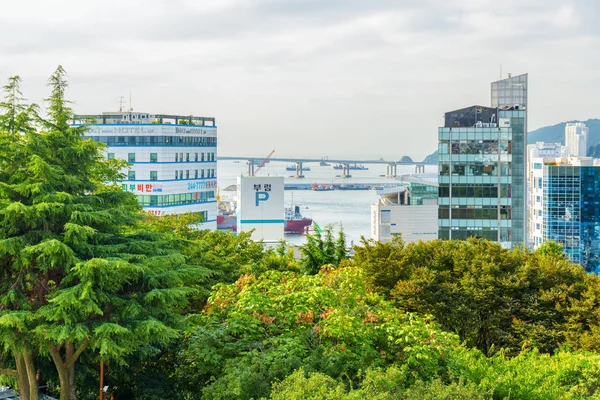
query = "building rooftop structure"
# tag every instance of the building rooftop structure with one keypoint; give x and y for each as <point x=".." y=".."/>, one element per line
<point x="141" y="118"/>
<point x="470" y="117"/>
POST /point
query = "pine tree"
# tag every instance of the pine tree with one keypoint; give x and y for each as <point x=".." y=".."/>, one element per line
<point x="79" y="270"/>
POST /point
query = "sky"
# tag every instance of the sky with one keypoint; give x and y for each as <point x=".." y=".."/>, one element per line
<point x="342" y="78"/>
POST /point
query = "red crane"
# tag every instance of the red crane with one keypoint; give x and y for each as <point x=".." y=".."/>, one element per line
<point x="262" y="164"/>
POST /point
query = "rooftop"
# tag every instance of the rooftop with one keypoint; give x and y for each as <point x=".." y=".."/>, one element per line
<point x="141" y="118"/>
<point x="470" y="116"/>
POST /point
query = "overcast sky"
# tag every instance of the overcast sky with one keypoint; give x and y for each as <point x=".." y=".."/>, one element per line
<point x="369" y="78"/>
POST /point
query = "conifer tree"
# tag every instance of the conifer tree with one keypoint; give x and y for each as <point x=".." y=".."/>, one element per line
<point x="78" y="270"/>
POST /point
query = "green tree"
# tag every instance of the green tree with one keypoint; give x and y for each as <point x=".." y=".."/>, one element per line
<point x="78" y="269"/>
<point x="319" y="251"/>
<point x="491" y="297"/>
<point x="260" y="329"/>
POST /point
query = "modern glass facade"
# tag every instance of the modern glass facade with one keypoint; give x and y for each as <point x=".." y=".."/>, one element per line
<point x="510" y="97"/>
<point x="420" y="193"/>
<point x="475" y="183"/>
<point x="482" y="168"/>
<point x="572" y="212"/>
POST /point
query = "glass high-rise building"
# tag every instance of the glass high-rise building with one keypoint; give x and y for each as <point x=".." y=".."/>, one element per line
<point x="571" y="215"/>
<point x="482" y="167"/>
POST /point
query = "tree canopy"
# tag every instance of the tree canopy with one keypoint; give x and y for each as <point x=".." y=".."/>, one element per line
<point x="78" y="269"/>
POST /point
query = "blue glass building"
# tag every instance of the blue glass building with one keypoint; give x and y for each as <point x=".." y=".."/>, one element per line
<point x="571" y="210"/>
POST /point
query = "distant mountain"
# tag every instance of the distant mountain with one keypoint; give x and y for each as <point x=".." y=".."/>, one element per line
<point x="432" y="158"/>
<point x="556" y="133"/>
<point x="406" y="159"/>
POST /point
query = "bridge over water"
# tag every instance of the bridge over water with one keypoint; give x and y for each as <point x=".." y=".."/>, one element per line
<point x="345" y="163"/>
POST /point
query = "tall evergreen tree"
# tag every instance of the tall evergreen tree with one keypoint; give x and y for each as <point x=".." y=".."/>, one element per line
<point x="78" y="269"/>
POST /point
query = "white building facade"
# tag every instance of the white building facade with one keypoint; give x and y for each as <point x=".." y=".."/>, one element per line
<point x="535" y="160"/>
<point x="409" y="211"/>
<point x="173" y="168"/>
<point x="261" y="207"/>
<point x="539" y="195"/>
<point x="576" y="134"/>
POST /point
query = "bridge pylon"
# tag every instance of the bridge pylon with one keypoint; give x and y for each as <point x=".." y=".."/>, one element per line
<point x="299" y="171"/>
<point x="391" y="170"/>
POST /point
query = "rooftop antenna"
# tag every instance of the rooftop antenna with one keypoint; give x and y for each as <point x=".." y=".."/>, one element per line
<point x="130" y="108"/>
<point x="121" y="103"/>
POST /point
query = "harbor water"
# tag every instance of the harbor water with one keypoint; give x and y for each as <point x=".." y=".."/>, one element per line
<point x="350" y="209"/>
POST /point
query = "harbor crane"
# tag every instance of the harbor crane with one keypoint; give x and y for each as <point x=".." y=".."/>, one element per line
<point x="262" y="164"/>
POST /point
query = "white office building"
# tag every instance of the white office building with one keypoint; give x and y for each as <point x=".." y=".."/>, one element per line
<point x="576" y="134"/>
<point x="536" y="153"/>
<point x="173" y="168"/>
<point x="409" y="210"/>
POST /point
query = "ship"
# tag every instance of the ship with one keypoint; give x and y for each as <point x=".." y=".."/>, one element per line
<point x="322" y="188"/>
<point x="294" y="221"/>
<point x="293" y="168"/>
<point x="351" y="166"/>
<point x="356" y="186"/>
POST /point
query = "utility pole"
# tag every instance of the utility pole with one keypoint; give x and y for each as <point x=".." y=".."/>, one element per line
<point x="101" y="380"/>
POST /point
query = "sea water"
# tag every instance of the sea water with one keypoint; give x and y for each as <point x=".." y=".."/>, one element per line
<point x="348" y="209"/>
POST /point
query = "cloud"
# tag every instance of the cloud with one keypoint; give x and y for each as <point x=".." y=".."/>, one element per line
<point x="309" y="76"/>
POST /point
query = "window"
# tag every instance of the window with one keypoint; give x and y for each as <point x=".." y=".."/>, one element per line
<point x="153" y="157"/>
<point x="176" y="157"/>
<point x="187" y="174"/>
<point x="181" y="174"/>
<point x="181" y="157"/>
<point x="201" y="156"/>
<point x="187" y="157"/>
<point x="202" y="173"/>
<point x="153" y="175"/>
<point x="111" y="156"/>
<point x="131" y="157"/>
<point x="196" y="174"/>
<point x="195" y="156"/>
<point x="176" y="175"/>
<point x="131" y="175"/>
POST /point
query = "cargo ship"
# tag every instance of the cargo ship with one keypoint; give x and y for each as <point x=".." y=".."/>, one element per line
<point x="295" y="222"/>
<point x="293" y="168"/>
<point x="351" y="167"/>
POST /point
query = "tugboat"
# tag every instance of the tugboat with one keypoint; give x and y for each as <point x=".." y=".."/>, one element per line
<point x="295" y="222"/>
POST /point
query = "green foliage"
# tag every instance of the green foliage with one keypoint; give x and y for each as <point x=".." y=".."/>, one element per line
<point x="261" y="329"/>
<point x="316" y="387"/>
<point x="530" y="375"/>
<point x="319" y="251"/>
<point x="491" y="297"/>
<point x="78" y="269"/>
